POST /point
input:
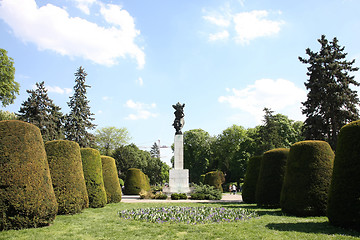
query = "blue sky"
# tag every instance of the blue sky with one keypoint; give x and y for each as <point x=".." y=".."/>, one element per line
<point x="226" y="60"/>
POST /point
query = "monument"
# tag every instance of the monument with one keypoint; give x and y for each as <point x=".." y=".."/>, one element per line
<point x="178" y="176"/>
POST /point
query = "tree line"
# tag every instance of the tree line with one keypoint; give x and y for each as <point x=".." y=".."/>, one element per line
<point x="331" y="103"/>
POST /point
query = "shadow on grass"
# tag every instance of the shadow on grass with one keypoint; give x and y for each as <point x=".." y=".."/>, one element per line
<point x="259" y="210"/>
<point x="312" y="227"/>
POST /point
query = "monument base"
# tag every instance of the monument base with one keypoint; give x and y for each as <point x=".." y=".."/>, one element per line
<point x="179" y="181"/>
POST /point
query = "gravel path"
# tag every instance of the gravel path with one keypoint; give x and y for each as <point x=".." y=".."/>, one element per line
<point x="226" y="197"/>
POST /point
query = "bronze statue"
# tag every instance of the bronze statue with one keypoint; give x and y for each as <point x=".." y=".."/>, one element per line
<point x="179" y="117"/>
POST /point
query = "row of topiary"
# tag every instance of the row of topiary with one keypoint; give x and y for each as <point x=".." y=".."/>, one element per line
<point x="41" y="180"/>
<point x="309" y="179"/>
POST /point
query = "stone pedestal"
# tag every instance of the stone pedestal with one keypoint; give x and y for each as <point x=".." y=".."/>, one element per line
<point x="179" y="177"/>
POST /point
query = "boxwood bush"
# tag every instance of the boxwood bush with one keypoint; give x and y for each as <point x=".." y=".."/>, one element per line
<point x="93" y="177"/>
<point x="307" y="179"/>
<point x="215" y="179"/>
<point x="136" y="181"/>
<point x="271" y="177"/>
<point x="27" y="196"/>
<point x="251" y="178"/>
<point x="111" y="179"/>
<point x="344" y="194"/>
<point x="205" y="192"/>
<point x="67" y="175"/>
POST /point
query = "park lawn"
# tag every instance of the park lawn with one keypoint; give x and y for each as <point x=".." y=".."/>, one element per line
<point x="104" y="223"/>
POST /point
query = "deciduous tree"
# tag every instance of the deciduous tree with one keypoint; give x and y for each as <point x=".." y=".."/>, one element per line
<point x="107" y="139"/>
<point x="8" y="87"/>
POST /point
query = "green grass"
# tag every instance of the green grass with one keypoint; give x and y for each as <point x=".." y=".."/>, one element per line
<point x="104" y="223"/>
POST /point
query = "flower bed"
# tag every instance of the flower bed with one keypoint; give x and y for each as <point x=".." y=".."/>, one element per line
<point x="189" y="215"/>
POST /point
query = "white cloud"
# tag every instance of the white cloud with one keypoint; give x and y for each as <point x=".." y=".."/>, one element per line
<point x="280" y="95"/>
<point x="244" y="26"/>
<point x="84" y="5"/>
<point x="51" y="28"/>
<point x="106" y="98"/>
<point x="252" y="25"/>
<point x="219" y="36"/>
<point x="59" y="90"/>
<point x="142" y="110"/>
<point x="140" y="81"/>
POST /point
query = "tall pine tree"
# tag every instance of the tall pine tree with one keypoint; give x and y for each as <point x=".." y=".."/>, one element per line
<point x="78" y="121"/>
<point x="331" y="103"/>
<point x="40" y="110"/>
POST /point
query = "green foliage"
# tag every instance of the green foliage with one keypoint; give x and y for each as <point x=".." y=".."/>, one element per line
<point x="177" y="196"/>
<point x="8" y="87"/>
<point x="107" y="139"/>
<point x="215" y="178"/>
<point x="155" y="150"/>
<point x="251" y="178"/>
<point x="121" y="182"/>
<point x="67" y="176"/>
<point x="331" y="102"/>
<point x="6" y="115"/>
<point x="136" y="181"/>
<point x="40" y="110"/>
<point x="79" y="120"/>
<point x="271" y="177"/>
<point x="111" y="180"/>
<point x="307" y="179"/>
<point x="92" y="166"/>
<point x="205" y="192"/>
<point x="197" y="152"/>
<point x="232" y="149"/>
<point x="160" y="195"/>
<point x="344" y="194"/>
<point x="27" y="197"/>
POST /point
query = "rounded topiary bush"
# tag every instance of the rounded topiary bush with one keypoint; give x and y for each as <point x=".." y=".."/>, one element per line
<point x="271" y="177"/>
<point x="27" y="196"/>
<point x="67" y="176"/>
<point x="215" y="179"/>
<point x="136" y="181"/>
<point x="92" y="167"/>
<point x="307" y="179"/>
<point x="111" y="179"/>
<point x="251" y="178"/>
<point x="344" y="194"/>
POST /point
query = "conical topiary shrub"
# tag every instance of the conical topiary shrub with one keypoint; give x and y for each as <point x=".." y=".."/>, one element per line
<point x="27" y="196"/>
<point x="251" y="178"/>
<point x="136" y="181"/>
<point x="67" y="176"/>
<point x="271" y="177"/>
<point x="92" y="166"/>
<point x="215" y="179"/>
<point x="111" y="179"/>
<point x="344" y="194"/>
<point x="307" y="178"/>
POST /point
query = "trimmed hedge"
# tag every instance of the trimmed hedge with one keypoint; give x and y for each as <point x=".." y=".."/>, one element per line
<point x="271" y="177"/>
<point x="67" y="175"/>
<point x="344" y="194"/>
<point x="307" y="179"/>
<point x="111" y="179"/>
<point x="251" y="178"/>
<point x="136" y="181"/>
<point x="93" y="177"/>
<point x="215" y="179"/>
<point x="27" y="196"/>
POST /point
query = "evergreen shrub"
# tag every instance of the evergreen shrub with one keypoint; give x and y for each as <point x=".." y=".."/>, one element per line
<point x="160" y="195"/>
<point x="251" y="178"/>
<point x="205" y="192"/>
<point x="271" y="177"/>
<point x="215" y="178"/>
<point x="344" y="194"/>
<point x="307" y="179"/>
<point x="111" y="179"/>
<point x="27" y="196"/>
<point x="136" y="181"/>
<point x="67" y="175"/>
<point x="93" y="177"/>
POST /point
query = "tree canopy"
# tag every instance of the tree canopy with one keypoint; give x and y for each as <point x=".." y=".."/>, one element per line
<point x="107" y="139"/>
<point x="79" y="120"/>
<point x="331" y="103"/>
<point x="8" y="87"/>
